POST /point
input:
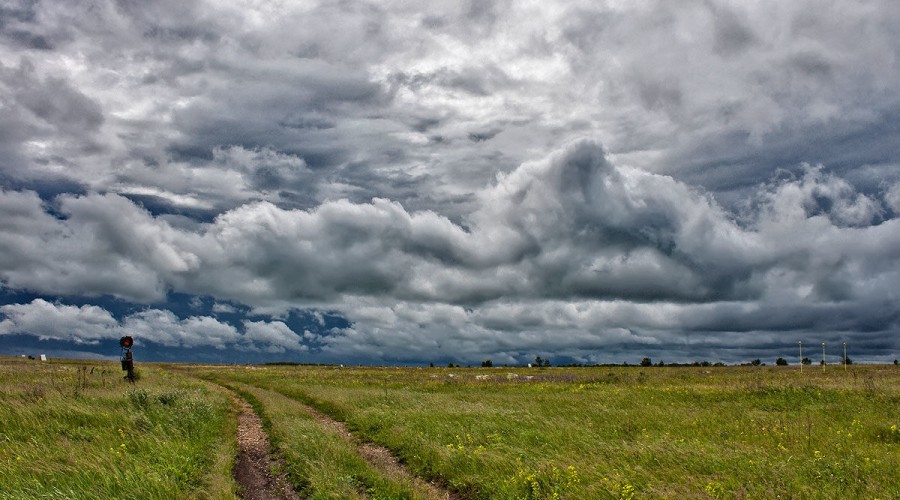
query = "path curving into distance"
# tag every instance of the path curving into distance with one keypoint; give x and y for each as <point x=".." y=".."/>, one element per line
<point x="255" y="460"/>
<point x="381" y="458"/>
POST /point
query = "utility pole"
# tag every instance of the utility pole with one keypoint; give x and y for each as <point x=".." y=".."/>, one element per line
<point x="800" y="345"/>
<point x="823" y="357"/>
<point x="845" y="356"/>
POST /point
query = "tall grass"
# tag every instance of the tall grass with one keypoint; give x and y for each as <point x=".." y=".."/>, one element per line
<point x="729" y="432"/>
<point x="77" y="430"/>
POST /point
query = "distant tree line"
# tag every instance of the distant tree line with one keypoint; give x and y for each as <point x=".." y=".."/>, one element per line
<point x="543" y="363"/>
<point x="646" y="362"/>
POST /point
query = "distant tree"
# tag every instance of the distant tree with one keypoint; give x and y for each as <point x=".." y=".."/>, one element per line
<point x="546" y="362"/>
<point x="848" y="361"/>
<point x="718" y="363"/>
<point x="705" y="363"/>
<point x="781" y="362"/>
<point x="806" y="361"/>
<point x="660" y="364"/>
<point x="431" y="365"/>
<point x="449" y="365"/>
<point x="538" y="361"/>
<point x="646" y="362"/>
<point x="822" y="362"/>
<point x="487" y="363"/>
<point x="756" y="362"/>
<point x="896" y="362"/>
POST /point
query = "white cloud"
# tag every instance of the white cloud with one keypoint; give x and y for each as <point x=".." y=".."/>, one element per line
<point x="165" y="328"/>
<point x="424" y="171"/>
<point x="220" y="307"/>
<point x="91" y="324"/>
<point x="84" y="324"/>
<point x="892" y="198"/>
<point x="275" y="335"/>
<point x="820" y="194"/>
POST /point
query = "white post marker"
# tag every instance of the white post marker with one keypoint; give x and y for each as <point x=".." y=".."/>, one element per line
<point x="823" y="356"/>
<point x="43" y="357"/>
<point x="845" y="356"/>
<point x="800" y="345"/>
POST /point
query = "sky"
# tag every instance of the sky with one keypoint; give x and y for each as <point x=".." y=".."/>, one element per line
<point x="399" y="183"/>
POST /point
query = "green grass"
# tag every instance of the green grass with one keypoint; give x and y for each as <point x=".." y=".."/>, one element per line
<point x="77" y="430"/>
<point x="321" y="463"/>
<point x="731" y="432"/>
<point x="728" y="432"/>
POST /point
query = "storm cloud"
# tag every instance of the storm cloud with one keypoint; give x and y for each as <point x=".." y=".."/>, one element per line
<point x="583" y="180"/>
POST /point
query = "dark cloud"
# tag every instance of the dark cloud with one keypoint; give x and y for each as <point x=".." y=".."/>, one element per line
<point x="572" y="227"/>
<point x="732" y="163"/>
<point x="54" y="101"/>
<point x="731" y="33"/>
<point x="48" y="112"/>
<point x="483" y="136"/>
<point x="29" y="40"/>
<point x="425" y="175"/>
<point x="17" y="20"/>
<point x="476" y="80"/>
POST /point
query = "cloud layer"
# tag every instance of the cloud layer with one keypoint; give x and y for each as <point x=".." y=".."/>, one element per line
<point x="485" y="178"/>
<point x="568" y="247"/>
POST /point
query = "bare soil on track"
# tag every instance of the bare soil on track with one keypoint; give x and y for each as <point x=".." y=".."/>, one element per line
<point x="381" y="458"/>
<point x="254" y="465"/>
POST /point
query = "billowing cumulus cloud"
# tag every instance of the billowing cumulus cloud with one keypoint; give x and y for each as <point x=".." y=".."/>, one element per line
<point x="489" y="178"/>
<point x="85" y="324"/>
<point x="276" y="336"/>
<point x="92" y="324"/>
<point x="571" y="250"/>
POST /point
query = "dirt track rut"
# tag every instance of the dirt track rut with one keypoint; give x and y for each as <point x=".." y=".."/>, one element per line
<point x="254" y="465"/>
<point x="382" y="459"/>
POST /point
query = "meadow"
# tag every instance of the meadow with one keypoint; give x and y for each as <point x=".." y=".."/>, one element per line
<point x="78" y="430"/>
<point x="602" y="432"/>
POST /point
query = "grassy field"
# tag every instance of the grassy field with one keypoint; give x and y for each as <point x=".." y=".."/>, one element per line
<point x="733" y="432"/>
<point x="729" y="432"/>
<point x="77" y="430"/>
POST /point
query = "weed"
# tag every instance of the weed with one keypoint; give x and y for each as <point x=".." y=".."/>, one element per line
<point x="33" y="393"/>
<point x="139" y="398"/>
<point x="545" y="482"/>
<point x="715" y="489"/>
<point x="169" y="398"/>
